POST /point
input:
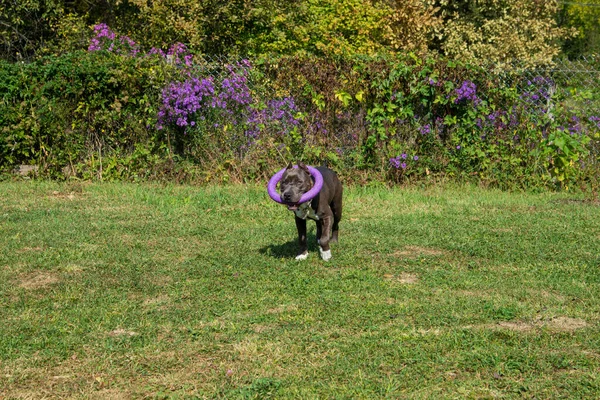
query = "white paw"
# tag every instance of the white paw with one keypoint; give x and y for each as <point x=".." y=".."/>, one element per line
<point x="302" y="256"/>
<point x="325" y="255"/>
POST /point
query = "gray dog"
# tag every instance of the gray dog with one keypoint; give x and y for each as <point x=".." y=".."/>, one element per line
<point x="325" y="209"/>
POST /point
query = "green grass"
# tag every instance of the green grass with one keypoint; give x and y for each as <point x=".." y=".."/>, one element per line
<point x="129" y="291"/>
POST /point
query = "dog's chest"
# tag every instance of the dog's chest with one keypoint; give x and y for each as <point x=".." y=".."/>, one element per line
<point x="305" y="211"/>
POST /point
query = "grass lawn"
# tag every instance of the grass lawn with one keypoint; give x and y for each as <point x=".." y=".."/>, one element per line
<point x="119" y="291"/>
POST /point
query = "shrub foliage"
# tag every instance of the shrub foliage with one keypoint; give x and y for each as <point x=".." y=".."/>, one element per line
<point x="117" y="112"/>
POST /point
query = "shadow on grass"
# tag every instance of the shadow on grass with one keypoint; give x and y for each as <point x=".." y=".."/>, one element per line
<point x="290" y="248"/>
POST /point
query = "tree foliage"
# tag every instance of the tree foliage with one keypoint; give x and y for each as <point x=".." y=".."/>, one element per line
<point x="496" y="30"/>
<point x="584" y="17"/>
<point x="25" y="25"/>
<point x="501" y="30"/>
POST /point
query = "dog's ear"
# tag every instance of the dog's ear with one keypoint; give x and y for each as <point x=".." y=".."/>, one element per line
<point x="289" y="166"/>
<point x="303" y="167"/>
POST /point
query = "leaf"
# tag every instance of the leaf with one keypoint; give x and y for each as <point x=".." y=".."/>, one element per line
<point x="359" y="96"/>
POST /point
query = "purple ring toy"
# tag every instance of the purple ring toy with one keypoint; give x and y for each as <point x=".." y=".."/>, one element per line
<point x="272" y="186"/>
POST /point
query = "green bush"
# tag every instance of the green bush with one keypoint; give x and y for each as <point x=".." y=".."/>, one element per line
<point x="70" y="109"/>
<point x="118" y="113"/>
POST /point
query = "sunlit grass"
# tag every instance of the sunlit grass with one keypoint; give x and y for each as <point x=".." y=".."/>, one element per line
<point x="121" y="290"/>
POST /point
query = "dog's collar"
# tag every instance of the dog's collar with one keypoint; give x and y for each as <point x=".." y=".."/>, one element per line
<point x="306" y="211"/>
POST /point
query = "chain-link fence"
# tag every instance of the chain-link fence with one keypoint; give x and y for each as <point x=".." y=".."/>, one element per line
<point x="571" y="85"/>
<point x="574" y="85"/>
<point x="566" y="91"/>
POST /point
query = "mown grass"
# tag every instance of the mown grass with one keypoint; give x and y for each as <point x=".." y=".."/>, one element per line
<point x="130" y="291"/>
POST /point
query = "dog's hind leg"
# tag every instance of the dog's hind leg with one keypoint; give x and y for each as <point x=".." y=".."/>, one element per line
<point x="319" y="224"/>
<point x="336" y="207"/>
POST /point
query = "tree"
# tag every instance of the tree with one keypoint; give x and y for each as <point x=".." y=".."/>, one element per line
<point x="501" y="30"/>
<point x="412" y="24"/>
<point x="585" y="17"/>
<point x="26" y="25"/>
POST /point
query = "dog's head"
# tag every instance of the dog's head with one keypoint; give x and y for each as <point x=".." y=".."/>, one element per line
<point x="294" y="183"/>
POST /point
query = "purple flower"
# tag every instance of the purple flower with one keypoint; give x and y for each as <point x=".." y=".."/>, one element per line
<point x="425" y="129"/>
<point x="467" y="91"/>
<point x="106" y="39"/>
<point x="458" y="147"/>
<point x="102" y="34"/>
<point x="403" y="165"/>
<point x="415" y="158"/>
<point x="403" y="155"/>
<point x="182" y="100"/>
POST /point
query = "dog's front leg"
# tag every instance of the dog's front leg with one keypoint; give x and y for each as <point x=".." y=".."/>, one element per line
<point x="301" y="226"/>
<point x="327" y="221"/>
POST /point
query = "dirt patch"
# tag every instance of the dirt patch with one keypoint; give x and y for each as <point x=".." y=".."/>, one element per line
<point x="475" y="293"/>
<point x="517" y="326"/>
<point x="160" y="301"/>
<point x="544" y="295"/>
<point x="558" y="324"/>
<point x="121" y="332"/>
<point x="416" y="251"/>
<point x="566" y="324"/>
<point x="38" y="280"/>
<point x="58" y="195"/>
<point x="260" y="328"/>
<point x="404" y="278"/>
<point x="253" y="349"/>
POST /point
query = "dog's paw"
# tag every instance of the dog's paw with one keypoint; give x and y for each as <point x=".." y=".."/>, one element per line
<point x="325" y="255"/>
<point x="302" y="256"/>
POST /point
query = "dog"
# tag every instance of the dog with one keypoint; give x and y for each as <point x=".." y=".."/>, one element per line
<point x="325" y="209"/>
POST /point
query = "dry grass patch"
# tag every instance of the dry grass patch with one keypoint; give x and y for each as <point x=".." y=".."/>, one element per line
<point x="113" y="394"/>
<point x="544" y="296"/>
<point x="262" y="328"/>
<point x="282" y="308"/>
<point x="156" y="301"/>
<point x="502" y="230"/>
<point x="72" y="268"/>
<point x="475" y="293"/>
<point x="38" y="280"/>
<point x="121" y="332"/>
<point x="161" y="280"/>
<point x="557" y="324"/>
<point x="566" y="324"/>
<point x="30" y="249"/>
<point x="404" y="278"/>
<point x="416" y="251"/>
<point x="517" y="326"/>
<point x="64" y="196"/>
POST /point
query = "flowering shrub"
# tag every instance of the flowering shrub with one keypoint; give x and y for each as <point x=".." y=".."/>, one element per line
<point x="105" y="39"/>
<point x="119" y="112"/>
<point x="182" y="100"/>
<point x="197" y="106"/>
